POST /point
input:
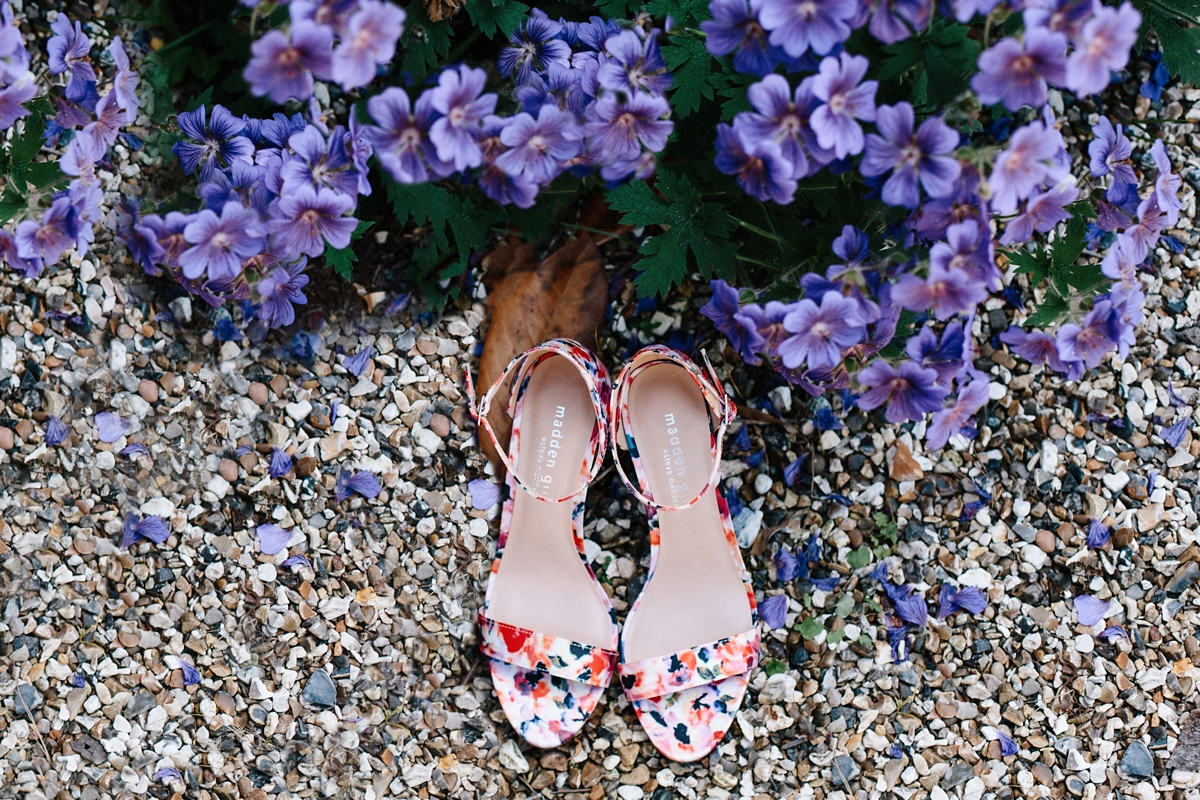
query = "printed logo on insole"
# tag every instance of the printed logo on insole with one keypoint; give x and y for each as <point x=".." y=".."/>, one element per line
<point x="672" y="456"/>
<point x="548" y="451"/>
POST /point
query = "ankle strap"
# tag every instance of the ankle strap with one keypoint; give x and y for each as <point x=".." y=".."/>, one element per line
<point x="722" y="412"/>
<point x="594" y="375"/>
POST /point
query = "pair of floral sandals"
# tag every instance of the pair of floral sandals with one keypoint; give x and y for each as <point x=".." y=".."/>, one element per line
<point x="548" y="629"/>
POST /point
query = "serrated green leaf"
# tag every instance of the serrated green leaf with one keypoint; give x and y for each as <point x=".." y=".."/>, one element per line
<point x="362" y="227"/>
<point x="425" y="43"/>
<point x="773" y="666"/>
<point x="639" y="204"/>
<point x="10" y="204"/>
<point x="1051" y="309"/>
<point x="1069" y="246"/>
<point x="340" y="261"/>
<point x="1036" y="265"/>
<point x="691" y="65"/>
<point x="40" y="174"/>
<point x="496" y="17"/>
<point x="30" y="142"/>
<point x="664" y="260"/>
<point x="857" y="559"/>
<point x="686" y="13"/>
<point x="1180" y="44"/>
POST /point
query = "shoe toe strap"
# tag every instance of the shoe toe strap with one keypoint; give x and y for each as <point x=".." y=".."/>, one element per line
<point x="553" y="655"/>
<point x="696" y="666"/>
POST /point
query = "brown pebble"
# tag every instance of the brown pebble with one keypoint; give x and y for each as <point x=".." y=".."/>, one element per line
<point x="225" y="703"/>
<point x="1123" y="537"/>
<point x="1045" y="540"/>
<point x="25" y="429"/>
<point x="167" y="381"/>
<point x="128" y="638"/>
<point x="258" y="393"/>
<point x="149" y="391"/>
<point x="555" y="760"/>
<point x="248" y="461"/>
<point x="305" y="466"/>
<point x="228" y="469"/>
<point x="6" y="439"/>
<point x="426" y="346"/>
<point x="856" y="538"/>
<point x="84" y="546"/>
<point x="279" y="385"/>
<point x="440" y="424"/>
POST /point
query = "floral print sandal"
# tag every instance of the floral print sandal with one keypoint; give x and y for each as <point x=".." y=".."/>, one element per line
<point x="547" y="628"/>
<point x="691" y="638"/>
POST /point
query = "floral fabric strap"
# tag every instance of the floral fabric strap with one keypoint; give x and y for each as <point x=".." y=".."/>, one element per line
<point x="553" y="655"/>
<point x="594" y="374"/>
<point x="696" y="666"/>
<point x="723" y="411"/>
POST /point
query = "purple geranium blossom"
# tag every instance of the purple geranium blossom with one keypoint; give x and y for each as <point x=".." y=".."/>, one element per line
<point x="484" y="494"/>
<point x="1089" y="341"/>
<point x="895" y="20"/>
<point x="282" y="68"/>
<point x="968" y="598"/>
<point x="948" y="291"/>
<point x="796" y="25"/>
<point x="760" y="330"/>
<point x="911" y="157"/>
<point x="1090" y="610"/>
<point x="47" y="239"/>
<point x="634" y="64"/>
<point x="1166" y="184"/>
<point x="1111" y="153"/>
<point x="125" y="81"/>
<point x="212" y="143"/>
<point x="1102" y="48"/>
<point x="949" y="421"/>
<point x="11" y="98"/>
<point x="734" y="28"/>
<point x="722" y="306"/>
<point x="318" y="163"/>
<point x="534" y="48"/>
<point x="280" y="289"/>
<point x="272" y="538"/>
<point x="910" y="391"/>
<point x="1042" y="213"/>
<point x="401" y="137"/>
<point x="1016" y="74"/>
<point x="1097" y="535"/>
<point x="777" y="118"/>
<point x="110" y="118"/>
<point x="362" y="483"/>
<point x="853" y="247"/>
<point x="152" y="529"/>
<point x="357" y="363"/>
<point x="75" y="106"/>
<point x="56" y="431"/>
<point x="457" y="97"/>
<point x="821" y="333"/>
<point x="68" y="50"/>
<point x="846" y="98"/>
<point x="369" y="39"/>
<point x="1024" y="166"/>
<point x="281" y="463"/>
<point x="1039" y="347"/>
<point x="758" y="164"/>
<point x="620" y="125"/>
<point x="773" y="611"/>
<point x="538" y="147"/>
<point x="944" y="357"/>
<point x="243" y="183"/>
<point x="1173" y="434"/>
<point x="1065" y="16"/>
<point x="308" y="219"/>
<point x="10" y="254"/>
<point x="495" y="182"/>
<point x="221" y="244"/>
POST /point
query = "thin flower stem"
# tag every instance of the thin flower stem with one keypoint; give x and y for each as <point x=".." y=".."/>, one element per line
<point x="586" y="229"/>
<point x="754" y="261"/>
<point x="755" y="229"/>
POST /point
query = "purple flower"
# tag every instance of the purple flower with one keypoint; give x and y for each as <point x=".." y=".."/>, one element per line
<point x="1008" y="747"/>
<point x="296" y="562"/>
<point x="11" y="98"/>
<point x="949" y="421"/>
<point x="796" y="25"/>
<point x="363" y="483"/>
<point x="318" y="163"/>
<point x="773" y="611"/>
<point x="272" y="538"/>
<point x="846" y="99"/>
<point x="634" y="64"/>
<point x="110" y="117"/>
<point x="1103" y="47"/>
<point x="308" y="219"/>
<point x="786" y="565"/>
<point x="358" y="362"/>
<point x="778" y="119"/>
<point x="191" y="675"/>
<point x="792" y="473"/>
<point x="283" y="69"/>
<point x="1042" y="213"/>
<point x="369" y="39"/>
<point x="734" y="28"/>
<point x="534" y="48"/>
<point x="898" y="638"/>
<point x="911" y="157"/>
<point x="759" y="165"/>
<point x="401" y="138"/>
<point x="280" y="289"/>
<point x="1173" y="434"/>
<point x="760" y="330"/>
<point x="168" y="774"/>
<point x="1024" y="166"/>
<point x="152" y="529"/>
<point x="484" y="494"/>
<point x="110" y="427"/>
<point x="1016" y="75"/>
<point x="221" y="244"/>
<point x="722" y="306"/>
<point x="134" y="450"/>
<point x="911" y="608"/>
<point x="1166" y="184"/>
<point x="1111" y="153"/>
<point x="826" y="584"/>
<point x="10" y="254"/>
<point x="1065" y="16"/>
<point x="125" y="81"/>
<point x="76" y="104"/>
<point x="242" y="183"/>
<point x="968" y="599"/>
<point x="891" y="19"/>
<point x="1089" y="341"/>
<point x="538" y="148"/>
<point x="68" y="50"/>
<point x="1113" y="632"/>
<point x="1097" y="535"/>
<point x="495" y="182"/>
<point x="1039" y="347"/>
<point x="619" y="125"/>
<point x="281" y="463"/>
<point x="944" y="357"/>
<point x="212" y="144"/>
<point x="56" y="431"/>
<point x="948" y="291"/>
<point x="46" y="240"/>
<point x="457" y="98"/>
<point x="821" y="333"/>
<point x="1090" y="610"/>
<point x="909" y="391"/>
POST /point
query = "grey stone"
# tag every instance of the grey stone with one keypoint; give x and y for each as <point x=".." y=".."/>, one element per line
<point x="27" y="698"/>
<point x="959" y="773"/>
<point x="1185" y="576"/>
<point x="320" y="690"/>
<point x="844" y="771"/>
<point x="1066" y="744"/>
<point x="1186" y="755"/>
<point x="142" y="701"/>
<point x="1137" y="761"/>
<point x="90" y="749"/>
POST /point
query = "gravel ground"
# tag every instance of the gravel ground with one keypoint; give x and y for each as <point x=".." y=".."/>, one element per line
<point x="359" y="676"/>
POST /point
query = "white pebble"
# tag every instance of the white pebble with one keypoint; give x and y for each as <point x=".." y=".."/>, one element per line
<point x="762" y="484"/>
<point x="1084" y="643"/>
<point x="267" y="573"/>
<point x="105" y="459"/>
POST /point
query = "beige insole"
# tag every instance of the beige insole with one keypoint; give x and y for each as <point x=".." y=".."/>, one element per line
<point x="542" y="584"/>
<point x="696" y="594"/>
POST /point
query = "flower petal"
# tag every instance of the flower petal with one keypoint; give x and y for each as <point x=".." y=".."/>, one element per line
<point x="272" y="538"/>
<point x="1091" y="610"/>
<point x="484" y="494"/>
<point x="773" y="611"/>
<point x="110" y="427"/>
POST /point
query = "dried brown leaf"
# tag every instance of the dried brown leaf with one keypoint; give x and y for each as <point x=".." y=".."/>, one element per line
<point x="439" y="10"/>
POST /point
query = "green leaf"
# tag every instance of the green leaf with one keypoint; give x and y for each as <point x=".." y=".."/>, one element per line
<point x="845" y="605"/>
<point x="10" y="204"/>
<point x="30" y="142"/>
<point x="773" y="666"/>
<point x="834" y="637"/>
<point x="691" y="68"/>
<point x="443" y="216"/>
<point x="810" y="628"/>
<point x="493" y="18"/>
<point x="618" y="9"/>
<point x="873" y="605"/>
<point x="638" y="202"/>
<point x="857" y="559"/>
<point x="1180" y="40"/>
<point x="881" y="552"/>
<point x="1067" y="249"/>
<point x="1051" y="309"/>
<point x="1036" y="264"/>
<point x="362" y="227"/>
<point x="949" y="60"/>
<point x="340" y="261"/>
<point x="425" y="43"/>
<point x="40" y="174"/>
<point x="686" y="13"/>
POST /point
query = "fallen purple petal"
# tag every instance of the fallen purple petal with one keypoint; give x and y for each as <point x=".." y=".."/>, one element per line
<point x="191" y="675"/>
<point x="826" y="584"/>
<point x="134" y="450"/>
<point x="1097" y="535"/>
<point x="912" y="609"/>
<point x="1008" y="746"/>
<point x="297" y="562"/>
<point x="484" y="494"/>
<point x="357" y="363"/>
<point x="786" y="565"/>
<point x="361" y="483"/>
<point x="281" y="463"/>
<point x="152" y="528"/>
<point x="56" y="431"/>
<point x="1114" y="632"/>
<point x="1090" y="610"/>
<point x="168" y="774"/>
<point x="1173" y="434"/>
<point x="272" y="538"/>
<point x="773" y="610"/>
<point x="110" y="427"/>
